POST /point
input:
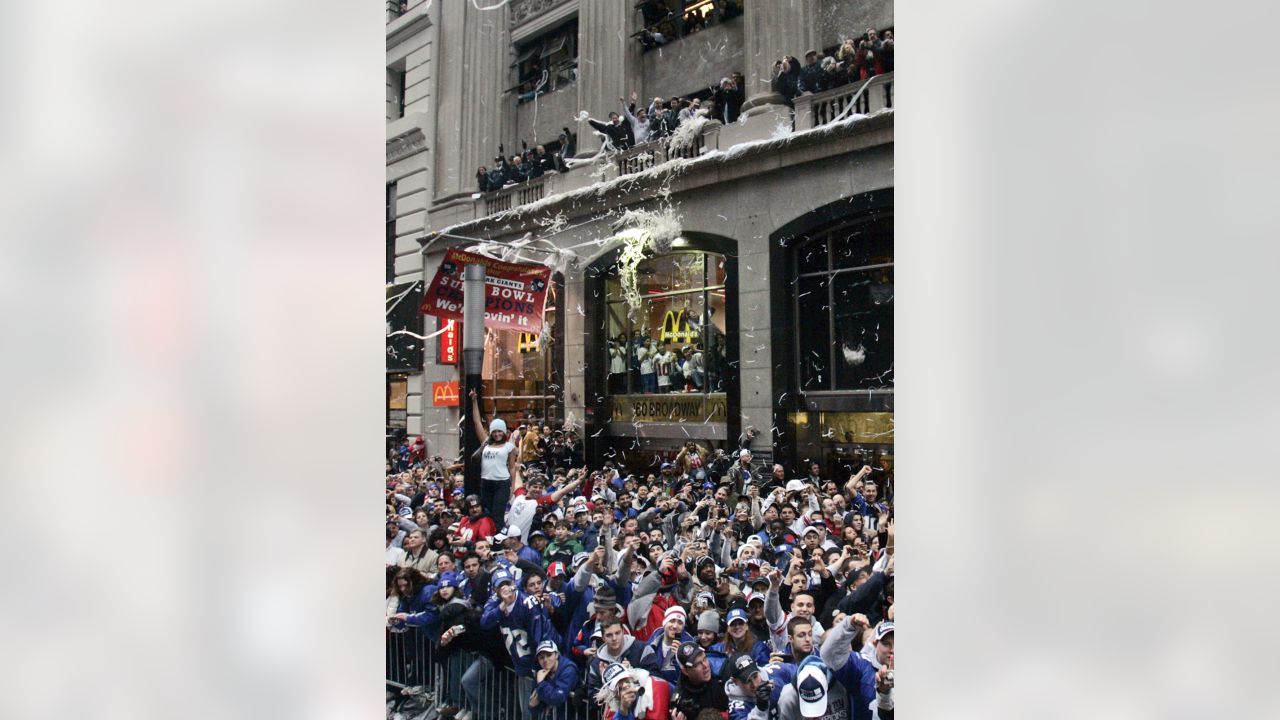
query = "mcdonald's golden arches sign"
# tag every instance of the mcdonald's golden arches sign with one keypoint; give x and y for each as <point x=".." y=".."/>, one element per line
<point x="528" y="342"/>
<point x="444" y="394"/>
<point x="675" y="328"/>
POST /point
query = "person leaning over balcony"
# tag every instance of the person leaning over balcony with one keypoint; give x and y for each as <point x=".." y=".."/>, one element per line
<point x="483" y="181"/>
<point x="529" y="161"/>
<point x="690" y="111"/>
<point x="618" y="133"/>
<point x="832" y="76"/>
<point x="519" y="170"/>
<point x="545" y="160"/>
<point x="786" y="78"/>
<point x="639" y="120"/>
<point x="886" y="52"/>
<point x="865" y="62"/>
<point x="810" y="80"/>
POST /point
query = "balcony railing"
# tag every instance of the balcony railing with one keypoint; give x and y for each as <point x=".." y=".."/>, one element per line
<point x="824" y="107"/>
<point x="650" y="154"/>
<point x="515" y="195"/>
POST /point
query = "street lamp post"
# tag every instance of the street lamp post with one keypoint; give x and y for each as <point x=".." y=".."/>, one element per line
<point x="473" y="297"/>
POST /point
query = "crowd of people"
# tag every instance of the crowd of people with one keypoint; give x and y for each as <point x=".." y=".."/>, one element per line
<point x="856" y="60"/>
<point x="529" y="163"/>
<point x="633" y="126"/>
<point x="715" y="588"/>
<point x="665" y="20"/>
<point x="665" y="367"/>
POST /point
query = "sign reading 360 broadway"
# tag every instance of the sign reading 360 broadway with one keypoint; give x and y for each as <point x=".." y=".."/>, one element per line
<point x="515" y="296"/>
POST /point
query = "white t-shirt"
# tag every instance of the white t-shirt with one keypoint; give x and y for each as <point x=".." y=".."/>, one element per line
<point x="646" y="361"/>
<point x="493" y="461"/>
<point x="521" y="514"/>
<point x="395" y="555"/>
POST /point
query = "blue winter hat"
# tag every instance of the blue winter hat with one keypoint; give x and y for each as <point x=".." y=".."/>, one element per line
<point x="449" y="580"/>
<point x="500" y="577"/>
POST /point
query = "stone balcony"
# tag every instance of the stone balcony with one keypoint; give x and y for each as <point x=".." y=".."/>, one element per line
<point x="814" y="110"/>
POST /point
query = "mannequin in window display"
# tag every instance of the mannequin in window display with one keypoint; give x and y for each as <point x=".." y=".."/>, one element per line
<point x="647" y="354"/>
<point x="618" y="365"/>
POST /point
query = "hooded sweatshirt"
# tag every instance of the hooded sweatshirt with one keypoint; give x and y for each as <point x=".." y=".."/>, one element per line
<point x="637" y="653"/>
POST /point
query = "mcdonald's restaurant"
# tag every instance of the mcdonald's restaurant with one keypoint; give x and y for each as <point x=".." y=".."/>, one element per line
<point x="773" y="308"/>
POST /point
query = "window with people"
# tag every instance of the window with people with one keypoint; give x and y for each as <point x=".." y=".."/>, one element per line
<point x="668" y="20"/>
<point x="546" y="63"/>
<point x="844" y="306"/>
<point x="675" y="343"/>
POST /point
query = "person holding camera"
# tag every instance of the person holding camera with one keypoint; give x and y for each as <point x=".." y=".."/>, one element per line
<point x="697" y="688"/>
<point x="753" y="690"/>
<point x="524" y="623"/>
<point x="667" y="640"/>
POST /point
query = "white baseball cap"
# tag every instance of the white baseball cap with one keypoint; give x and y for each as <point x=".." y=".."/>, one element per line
<point x="811" y="688"/>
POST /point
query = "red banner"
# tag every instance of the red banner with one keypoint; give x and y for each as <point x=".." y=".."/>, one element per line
<point x="515" y="296"/>
<point x="444" y="394"/>
<point x="448" y="354"/>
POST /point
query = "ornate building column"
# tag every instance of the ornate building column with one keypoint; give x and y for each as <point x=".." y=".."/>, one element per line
<point x="607" y="56"/>
<point x="773" y="28"/>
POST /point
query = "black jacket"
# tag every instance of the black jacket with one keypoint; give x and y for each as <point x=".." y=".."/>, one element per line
<point x="810" y="79"/>
<point x="619" y="135"/>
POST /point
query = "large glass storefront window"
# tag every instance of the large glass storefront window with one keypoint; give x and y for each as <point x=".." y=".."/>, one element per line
<point x="676" y="342"/>
<point x="521" y="372"/>
<point x="844" y="307"/>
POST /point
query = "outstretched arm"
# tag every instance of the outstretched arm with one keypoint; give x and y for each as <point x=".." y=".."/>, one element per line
<point x="475" y="417"/>
<point x="568" y="487"/>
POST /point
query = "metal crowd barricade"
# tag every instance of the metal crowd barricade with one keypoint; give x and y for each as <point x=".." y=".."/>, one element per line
<point x="423" y="680"/>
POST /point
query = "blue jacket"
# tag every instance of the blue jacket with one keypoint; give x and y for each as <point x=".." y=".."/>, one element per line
<point x="417" y="603"/>
<point x="668" y="668"/>
<point x="522" y="629"/>
<point x="530" y="555"/>
<point x="859" y="679"/>
<point x="554" y="690"/>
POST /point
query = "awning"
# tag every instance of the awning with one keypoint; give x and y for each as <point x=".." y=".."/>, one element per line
<point x="525" y="55"/>
<point x="555" y="46"/>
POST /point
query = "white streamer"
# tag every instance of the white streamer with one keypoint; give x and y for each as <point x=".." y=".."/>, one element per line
<point x="410" y="333"/>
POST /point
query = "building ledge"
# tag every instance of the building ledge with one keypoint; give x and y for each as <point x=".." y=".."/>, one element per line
<point x="412" y="22"/>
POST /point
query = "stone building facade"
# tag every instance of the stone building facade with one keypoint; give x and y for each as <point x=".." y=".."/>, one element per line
<point x="780" y="278"/>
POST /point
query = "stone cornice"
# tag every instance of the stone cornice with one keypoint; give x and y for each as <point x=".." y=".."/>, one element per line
<point x="524" y="12"/>
<point x="405" y="145"/>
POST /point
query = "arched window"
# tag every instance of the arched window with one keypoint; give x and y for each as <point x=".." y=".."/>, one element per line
<point x="844" y="306"/>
